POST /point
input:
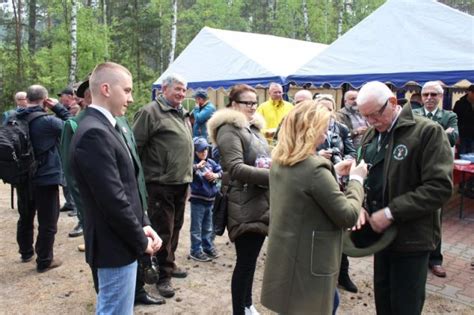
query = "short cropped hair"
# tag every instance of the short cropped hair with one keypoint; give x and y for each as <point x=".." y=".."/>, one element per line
<point x="36" y="93"/>
<point x="434" y="84"/>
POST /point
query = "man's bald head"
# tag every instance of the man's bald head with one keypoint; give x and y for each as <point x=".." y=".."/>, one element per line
<point x="350" y="98"/>
<point x="302" y="95"/>
<point x="106" y="73"/>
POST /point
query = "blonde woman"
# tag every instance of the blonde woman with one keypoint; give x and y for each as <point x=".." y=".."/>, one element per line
<point x="308" y="215"/>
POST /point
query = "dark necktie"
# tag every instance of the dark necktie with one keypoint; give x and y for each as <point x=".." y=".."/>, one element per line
<point x="430" y="115"/>
<point x="381" y="140"/>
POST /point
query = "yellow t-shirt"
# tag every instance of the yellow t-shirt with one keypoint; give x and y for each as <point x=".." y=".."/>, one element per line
<point x="273" y="113"/>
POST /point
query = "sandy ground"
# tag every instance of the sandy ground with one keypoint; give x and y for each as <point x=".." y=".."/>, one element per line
<point x="69" y="289"/>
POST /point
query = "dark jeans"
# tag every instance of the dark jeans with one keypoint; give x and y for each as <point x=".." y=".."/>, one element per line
<point x="45" y="201"/>
<point x="399" y="282"/>
<point x="166" y="205"/>
<point x="436" y="258"/>
<point x="248" y="247"/>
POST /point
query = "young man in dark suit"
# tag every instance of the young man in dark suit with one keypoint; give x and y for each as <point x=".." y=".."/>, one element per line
<point x="116" y="229"/>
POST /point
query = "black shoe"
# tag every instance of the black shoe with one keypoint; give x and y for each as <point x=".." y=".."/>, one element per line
<point x="346" y="283"/>
<point x="146" y="299"/>
<point x="54" y="264"/>
<point x="76" y="231"/>
<point x="65" y="209"/>
<point x="25" y="259"/>
<point x="72" y="213"/>
<point x="165" y="289"/>
<point x="179" y="273"/>
<point x="212" y="253"/>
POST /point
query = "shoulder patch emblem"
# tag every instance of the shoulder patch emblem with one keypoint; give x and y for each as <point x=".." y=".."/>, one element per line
<point x="400" y="152"/>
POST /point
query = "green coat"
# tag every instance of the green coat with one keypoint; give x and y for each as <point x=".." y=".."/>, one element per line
<point x="446" y="119"/>
<point x="417" y="179"/>
<point x="165" y="143"/>
<point x="308" y="216"/>
<point x="239" y="145"/>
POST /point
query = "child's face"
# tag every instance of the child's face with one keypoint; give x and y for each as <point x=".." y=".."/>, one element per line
<point x="202" y="155"/>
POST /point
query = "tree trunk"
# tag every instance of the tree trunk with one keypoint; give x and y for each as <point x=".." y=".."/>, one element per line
<point x="306" y="21"/>
<point x="160" y="38"/>
<point x="17" y="15"/>
<point x="341" y="7"/>
<point x="173" y="30"/>
<point x="73" y="66"/>
<point x="32" y="26"/>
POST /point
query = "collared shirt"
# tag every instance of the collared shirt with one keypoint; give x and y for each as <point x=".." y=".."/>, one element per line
<point x="433" y="112"/>
<point x="105" y="112"/>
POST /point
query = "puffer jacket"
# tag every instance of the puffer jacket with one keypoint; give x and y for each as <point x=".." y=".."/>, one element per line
<point x="239" y="144"/>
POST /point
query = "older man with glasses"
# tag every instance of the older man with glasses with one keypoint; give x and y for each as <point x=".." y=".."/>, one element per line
<point x="410" y="179"/>
<point x="432" y="96"/>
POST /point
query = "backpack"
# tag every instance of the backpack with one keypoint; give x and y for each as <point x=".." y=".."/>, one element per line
<point x="17" y="158"/>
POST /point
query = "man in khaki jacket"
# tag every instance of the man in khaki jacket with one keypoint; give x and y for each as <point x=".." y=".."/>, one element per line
<point x="165" y="146"/>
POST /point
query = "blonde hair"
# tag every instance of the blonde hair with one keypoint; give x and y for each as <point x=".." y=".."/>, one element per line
<point x="107" y="72"/>
<point x="301" y="129"/>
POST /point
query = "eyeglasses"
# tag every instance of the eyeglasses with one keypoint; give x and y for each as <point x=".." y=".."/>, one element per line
<point x="377" y="113"/>
<point x="248" y="103"/>
<point x="432" y="94"/>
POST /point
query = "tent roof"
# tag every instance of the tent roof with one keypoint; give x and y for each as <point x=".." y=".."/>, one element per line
<point x="219" y="58"/>
<point x="402" y="41"/>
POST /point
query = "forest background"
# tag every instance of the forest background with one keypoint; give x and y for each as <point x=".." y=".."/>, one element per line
<point x="58" y="42"/>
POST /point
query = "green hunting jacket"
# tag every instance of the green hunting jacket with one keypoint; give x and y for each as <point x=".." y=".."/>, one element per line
<point x="417" y="179"/>
<point x="164" y="142"/>
<point x="446" y="119"/>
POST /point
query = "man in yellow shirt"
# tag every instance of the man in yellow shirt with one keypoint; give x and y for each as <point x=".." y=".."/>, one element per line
<point x="273" y="110"/>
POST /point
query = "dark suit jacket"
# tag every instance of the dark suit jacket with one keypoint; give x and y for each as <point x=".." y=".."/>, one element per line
<point x="105" y="174"/>
<point x="446" y="119"/>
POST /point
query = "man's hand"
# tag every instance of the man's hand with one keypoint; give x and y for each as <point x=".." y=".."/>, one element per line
<point x="363" y="218"/>
<point x="379" y="221"/>
<point x="449" y="130"/>
<point x="153" y="236"/>
<point x="50" y="102"/>
<point x="325" y="153"/>
<point x="149" y="249"/>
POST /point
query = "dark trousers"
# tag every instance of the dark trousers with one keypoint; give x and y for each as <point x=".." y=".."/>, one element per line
<point x="399" y="282"/>
<point x="344" y="269"/>
<point x="248" y="247"/>
<point x="45" y="202"/>
<point x="436" y="258"/>
<point x="166" y="205"/>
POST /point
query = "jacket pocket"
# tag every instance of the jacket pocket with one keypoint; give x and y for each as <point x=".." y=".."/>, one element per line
<point x="326" y="248"/>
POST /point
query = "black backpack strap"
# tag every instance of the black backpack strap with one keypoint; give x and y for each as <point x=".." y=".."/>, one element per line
<point x="33" y="115"/>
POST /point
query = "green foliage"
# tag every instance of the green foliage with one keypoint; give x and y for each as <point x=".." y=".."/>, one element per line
<point x="137" y="35"/>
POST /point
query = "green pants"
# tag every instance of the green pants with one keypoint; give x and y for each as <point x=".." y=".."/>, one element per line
<point x="399" y="282"/>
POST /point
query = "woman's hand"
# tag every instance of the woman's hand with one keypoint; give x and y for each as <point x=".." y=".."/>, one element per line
<point x="343" y="168"/>
<point x="359" y="170"/>
<point x="363" y="218"/>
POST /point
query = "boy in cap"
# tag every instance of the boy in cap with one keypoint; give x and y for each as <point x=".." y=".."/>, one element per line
<point x="203" y="193"/>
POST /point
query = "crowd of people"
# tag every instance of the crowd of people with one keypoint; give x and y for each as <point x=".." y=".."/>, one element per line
<point x="305" y="176"/>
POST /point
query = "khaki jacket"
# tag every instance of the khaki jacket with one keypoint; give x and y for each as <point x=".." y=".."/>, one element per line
<point x="165" y="144"/>
<point x="239" y="145"/>
<point x="308" y="215"/>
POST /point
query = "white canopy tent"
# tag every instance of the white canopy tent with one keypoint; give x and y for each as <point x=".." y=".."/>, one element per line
<point x="219" y="58"/>
<point x="403" y="41"/>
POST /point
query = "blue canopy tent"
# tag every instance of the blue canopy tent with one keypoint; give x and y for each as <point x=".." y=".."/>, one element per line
<point x="220" y="59"/>
<point x="402" y="42"/>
